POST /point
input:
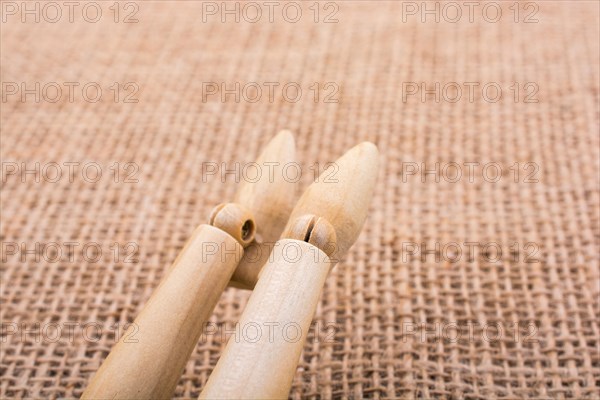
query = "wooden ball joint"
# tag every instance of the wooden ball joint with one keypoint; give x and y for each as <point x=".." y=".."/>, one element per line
<point x="314" y="230"/>
<point x="234" y="219"/>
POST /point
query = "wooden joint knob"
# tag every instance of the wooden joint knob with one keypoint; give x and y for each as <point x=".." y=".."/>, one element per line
<point x="314" y="230"/>
<point x="236" y="220"/>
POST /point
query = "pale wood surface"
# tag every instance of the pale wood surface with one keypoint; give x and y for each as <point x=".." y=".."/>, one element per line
<point x="148" y="363"/>
<point x="271" y="196"/>
<point x="329" y="213"/>
<point x="171" y="322"/>
<point x="248" y="270"/>
<point x="281" y="309"/>
<point x="342" y="196"/>
<point x="270" y="200"/>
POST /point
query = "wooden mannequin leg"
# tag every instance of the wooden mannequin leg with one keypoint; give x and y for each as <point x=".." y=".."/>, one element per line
<point x="148" y="360"/>
<point x="262" y="361"/>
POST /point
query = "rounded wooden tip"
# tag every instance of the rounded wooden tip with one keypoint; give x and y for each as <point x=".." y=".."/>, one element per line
<point x="343" y="197"/>
<point x="285" y="138"/>
<point x="270" y="197"/>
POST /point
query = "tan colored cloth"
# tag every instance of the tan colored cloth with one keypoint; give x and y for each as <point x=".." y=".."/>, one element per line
<point x="382" y="306"/>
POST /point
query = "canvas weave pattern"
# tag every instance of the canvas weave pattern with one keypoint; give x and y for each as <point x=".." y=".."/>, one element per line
<point x="389" y="313"/>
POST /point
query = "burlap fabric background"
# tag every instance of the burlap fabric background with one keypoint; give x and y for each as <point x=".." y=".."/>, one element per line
<point x="393" y="312"/>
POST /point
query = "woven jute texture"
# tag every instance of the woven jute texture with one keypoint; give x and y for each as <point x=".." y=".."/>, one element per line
<point x="463" y="283"/>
